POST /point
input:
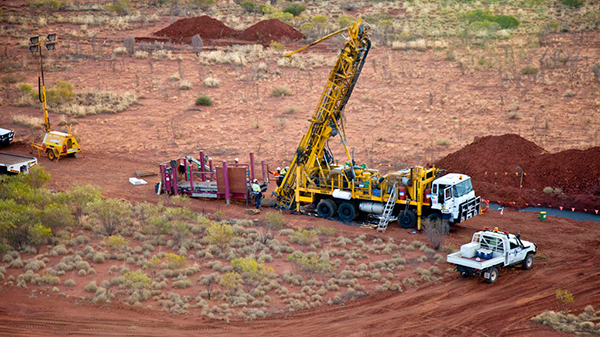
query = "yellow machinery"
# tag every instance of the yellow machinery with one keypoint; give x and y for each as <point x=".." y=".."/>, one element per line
<point x="347" y="190"/>
<point x="55" y="144"/>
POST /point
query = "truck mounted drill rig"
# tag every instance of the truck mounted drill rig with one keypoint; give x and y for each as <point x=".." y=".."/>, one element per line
<point x="314" y="177"/>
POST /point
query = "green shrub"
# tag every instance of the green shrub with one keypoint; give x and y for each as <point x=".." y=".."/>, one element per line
<point x="204" y="101"/>
<point x="248" y="6"/>
<point x="295" y="9"/>
<point x="62" y="93"/>
<point x="572" y="3"/>
<point x="529" y="70"/>
<point x="548" y="190"/>
<point x="485" y="18"/>
<point x="121" y="7"/>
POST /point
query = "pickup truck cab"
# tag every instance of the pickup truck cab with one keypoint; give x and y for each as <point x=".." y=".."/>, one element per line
<point x="491" y="250"/>
<point x="6" y="136"/>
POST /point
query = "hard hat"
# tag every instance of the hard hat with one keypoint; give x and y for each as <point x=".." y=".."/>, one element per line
<point x="255" y="180"/>
<point x="279" y="169"/>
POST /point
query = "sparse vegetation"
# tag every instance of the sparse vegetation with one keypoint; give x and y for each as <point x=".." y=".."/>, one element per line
<point x="281" y="91"/>
<point x="204" y="101"/>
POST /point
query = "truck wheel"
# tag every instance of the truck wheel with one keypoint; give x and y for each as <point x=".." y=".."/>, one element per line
<point x="51" y="154"/>
<point x="347" y="211"/>
<point x="407" y="219"/>
<point x="528" y="262"/>
<point x="493" y="275"/>
<point x="464" y="274"/>
<point x="326" y="208"/>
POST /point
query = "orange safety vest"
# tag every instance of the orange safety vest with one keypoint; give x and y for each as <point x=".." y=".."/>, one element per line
<point x="275" y="174"/>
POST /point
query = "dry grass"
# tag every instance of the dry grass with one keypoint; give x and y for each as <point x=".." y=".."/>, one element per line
<point x="35" y="123"/>
<point x="211" y="82"/>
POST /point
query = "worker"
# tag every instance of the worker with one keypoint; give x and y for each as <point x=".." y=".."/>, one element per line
<point x="257" y="192"/>
<point x="282" y="175"/>
<point x="276" y="174"/>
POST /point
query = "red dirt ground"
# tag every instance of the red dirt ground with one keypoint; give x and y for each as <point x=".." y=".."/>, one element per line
<point x="392" y="129"/>
<point x="271" y="30"/>
<point x="494" y="161"/>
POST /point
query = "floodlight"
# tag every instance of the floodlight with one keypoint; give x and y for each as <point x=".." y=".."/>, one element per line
<point x="33" y="49"/>
<point x="52" y="37"/>
<point x="50" y="46"/>
<point x="34" y="40"/>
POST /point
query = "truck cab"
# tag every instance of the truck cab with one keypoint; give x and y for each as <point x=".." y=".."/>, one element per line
<point x="6" y="136"/>
<point x="453" y="195"/>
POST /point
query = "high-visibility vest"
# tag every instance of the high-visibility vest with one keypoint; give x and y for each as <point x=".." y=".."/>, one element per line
<point x="275" y="174"/>
<point x="256" y="188"/>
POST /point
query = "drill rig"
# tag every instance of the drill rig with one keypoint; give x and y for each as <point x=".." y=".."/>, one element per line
<point x="347" y="190"/>
<point x="55" y="144"/>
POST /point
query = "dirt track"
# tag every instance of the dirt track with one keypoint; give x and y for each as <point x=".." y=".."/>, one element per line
<point x="456" y="307"/>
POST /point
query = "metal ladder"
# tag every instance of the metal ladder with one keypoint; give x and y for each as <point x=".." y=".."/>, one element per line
<point x="387" y="211"/>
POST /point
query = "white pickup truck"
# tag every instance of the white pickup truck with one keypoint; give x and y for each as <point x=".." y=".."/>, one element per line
<point x="491" y="250"/>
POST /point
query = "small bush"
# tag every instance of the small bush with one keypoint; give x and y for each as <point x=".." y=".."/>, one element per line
<point x="548" y="190"/>
<point x="91" y="287"/>
<point x="572" y="3"/>
<point x="70" y="283"/>
<point x="185" y="85"/>
<point x="204" y="101"/>
<point x="529" y="70"/>
<point x="211" y="82"/>
<point x="290" y="110"/>
<point x="295" y="9"/>
<point x="281" y="91"/>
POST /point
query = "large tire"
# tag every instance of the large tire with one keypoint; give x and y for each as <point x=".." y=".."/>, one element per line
<point x="528" y="262"/>
<point x="347" y="211"/>
<point x="326" y="208"/>
<point x="51" y="154"/>
<point x="407" y="219"/>
<point x="493" y="275"/>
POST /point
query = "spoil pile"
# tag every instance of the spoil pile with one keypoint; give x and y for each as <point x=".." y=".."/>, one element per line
<point x="495" y="164"/>
<point x="182" y="31"/>
<point x="208" y="28"/>
<point x="271" y="30"/>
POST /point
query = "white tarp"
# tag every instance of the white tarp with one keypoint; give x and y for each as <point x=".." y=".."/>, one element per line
<point x="136" y="181"/>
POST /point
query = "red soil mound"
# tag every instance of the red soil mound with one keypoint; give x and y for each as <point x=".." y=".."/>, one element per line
<point x="493" y="162"/>
<point x="271" y="30"/>
<point x="208" y="28"/>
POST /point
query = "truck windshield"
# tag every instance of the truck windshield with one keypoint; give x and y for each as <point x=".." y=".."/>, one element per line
<point x="463" y="188"/>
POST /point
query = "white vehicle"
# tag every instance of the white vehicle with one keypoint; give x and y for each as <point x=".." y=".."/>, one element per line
<point x="489" y="251"/>
<point x="453" y="195"/>
<point x="6" y="136"/>
<point x="15" y="164"/>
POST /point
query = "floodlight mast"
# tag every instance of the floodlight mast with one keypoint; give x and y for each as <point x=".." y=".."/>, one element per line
<point x="35" y="48"/>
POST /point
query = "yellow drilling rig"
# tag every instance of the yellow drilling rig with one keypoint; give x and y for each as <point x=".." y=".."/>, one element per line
<point x="347" y="190"/>
<point x="55" y="144"/>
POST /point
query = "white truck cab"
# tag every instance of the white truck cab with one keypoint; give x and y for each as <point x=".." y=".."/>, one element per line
<point x="491" y="250"/>
<point x="453" y="195"/>
<point x="6" y="136"/>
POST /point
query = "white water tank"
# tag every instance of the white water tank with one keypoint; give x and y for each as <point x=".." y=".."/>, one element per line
<point x="469" y="250"/>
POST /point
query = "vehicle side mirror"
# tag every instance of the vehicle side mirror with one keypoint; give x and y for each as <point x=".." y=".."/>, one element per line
<point x="518" y="235"/>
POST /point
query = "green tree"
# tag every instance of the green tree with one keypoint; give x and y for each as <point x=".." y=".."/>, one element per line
<point x="37" y="177"/>
<point x="56" y="216"/>
<point x="38" y="235"/>
<point x="82" y="195"/>
<point x="110" y="212"/>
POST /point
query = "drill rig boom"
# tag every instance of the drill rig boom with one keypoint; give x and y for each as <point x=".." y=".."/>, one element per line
<point x="312" y="153"/>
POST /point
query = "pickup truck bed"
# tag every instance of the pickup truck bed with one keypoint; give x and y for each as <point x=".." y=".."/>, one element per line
<point x="14" y="163"/>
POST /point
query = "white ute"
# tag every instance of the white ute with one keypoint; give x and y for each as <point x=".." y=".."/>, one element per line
<point x="489" y="251"/>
